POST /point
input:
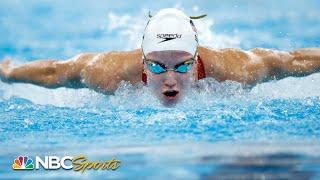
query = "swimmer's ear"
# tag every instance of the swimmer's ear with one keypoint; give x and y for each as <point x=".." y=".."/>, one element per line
<point x="150" y="16"/>
<point x="198" y="17"/>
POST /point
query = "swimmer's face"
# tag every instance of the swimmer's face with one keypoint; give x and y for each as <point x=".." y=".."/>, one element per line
<point x="169" y="86"/>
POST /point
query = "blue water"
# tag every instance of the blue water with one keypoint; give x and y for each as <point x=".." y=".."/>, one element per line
<point x="219" y="131"/>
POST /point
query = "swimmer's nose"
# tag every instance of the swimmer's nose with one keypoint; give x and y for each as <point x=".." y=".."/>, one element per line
<point x="170" y="81"/>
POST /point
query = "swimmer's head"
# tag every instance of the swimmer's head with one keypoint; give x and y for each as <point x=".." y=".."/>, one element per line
<point x="169" y="50"/>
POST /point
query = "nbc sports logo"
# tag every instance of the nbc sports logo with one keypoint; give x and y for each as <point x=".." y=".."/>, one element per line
<point x="78" y="163"/>
<point x="22" y="163"/>
<point x="49" y="162"/>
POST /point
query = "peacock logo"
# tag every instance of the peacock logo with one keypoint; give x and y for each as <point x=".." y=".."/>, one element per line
<point x="23" y="163"/>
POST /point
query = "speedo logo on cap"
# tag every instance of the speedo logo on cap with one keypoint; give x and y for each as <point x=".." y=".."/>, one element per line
<point x="168" y="37"/>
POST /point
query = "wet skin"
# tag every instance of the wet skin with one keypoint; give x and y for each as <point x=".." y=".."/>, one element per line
<point x="169" y="86"/>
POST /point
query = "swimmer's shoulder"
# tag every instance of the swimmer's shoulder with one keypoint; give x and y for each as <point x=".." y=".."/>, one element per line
<point x="206" y="52"/>
<point x="234" y="55"/>
<point x="230" y="63"/>
<point x="218" y="57"/>
<point x="114" y="66"/>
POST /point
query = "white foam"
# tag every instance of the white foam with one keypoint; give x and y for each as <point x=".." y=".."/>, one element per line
<point x="61" y="97"/>
<point x="137" y="96"/>
<point x="291" y="87"/>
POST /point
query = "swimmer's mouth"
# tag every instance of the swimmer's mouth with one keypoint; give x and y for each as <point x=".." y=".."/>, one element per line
<point x="171" y="94"/>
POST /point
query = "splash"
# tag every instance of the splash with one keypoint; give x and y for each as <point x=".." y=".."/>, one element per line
<point x="205" y="93"/>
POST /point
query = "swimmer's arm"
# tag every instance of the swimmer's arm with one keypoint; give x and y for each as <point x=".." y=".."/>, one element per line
<point x="47" y="73"/>
<point x="281" y="64"/>
<point x="102" y="72"/>
<point x="258" y="65"/>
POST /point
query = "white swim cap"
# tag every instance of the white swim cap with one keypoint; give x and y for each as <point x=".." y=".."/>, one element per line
<point x="170" y="29"/>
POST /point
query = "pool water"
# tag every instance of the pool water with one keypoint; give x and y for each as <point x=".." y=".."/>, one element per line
<point x="220" y="130"/>
<point x="230" y="132"/>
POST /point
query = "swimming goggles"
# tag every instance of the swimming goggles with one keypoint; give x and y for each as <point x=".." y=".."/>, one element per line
<point x="158" y="68"/>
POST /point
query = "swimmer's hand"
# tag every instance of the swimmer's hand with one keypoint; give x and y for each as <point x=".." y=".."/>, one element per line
<point x="4" y="69"/>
